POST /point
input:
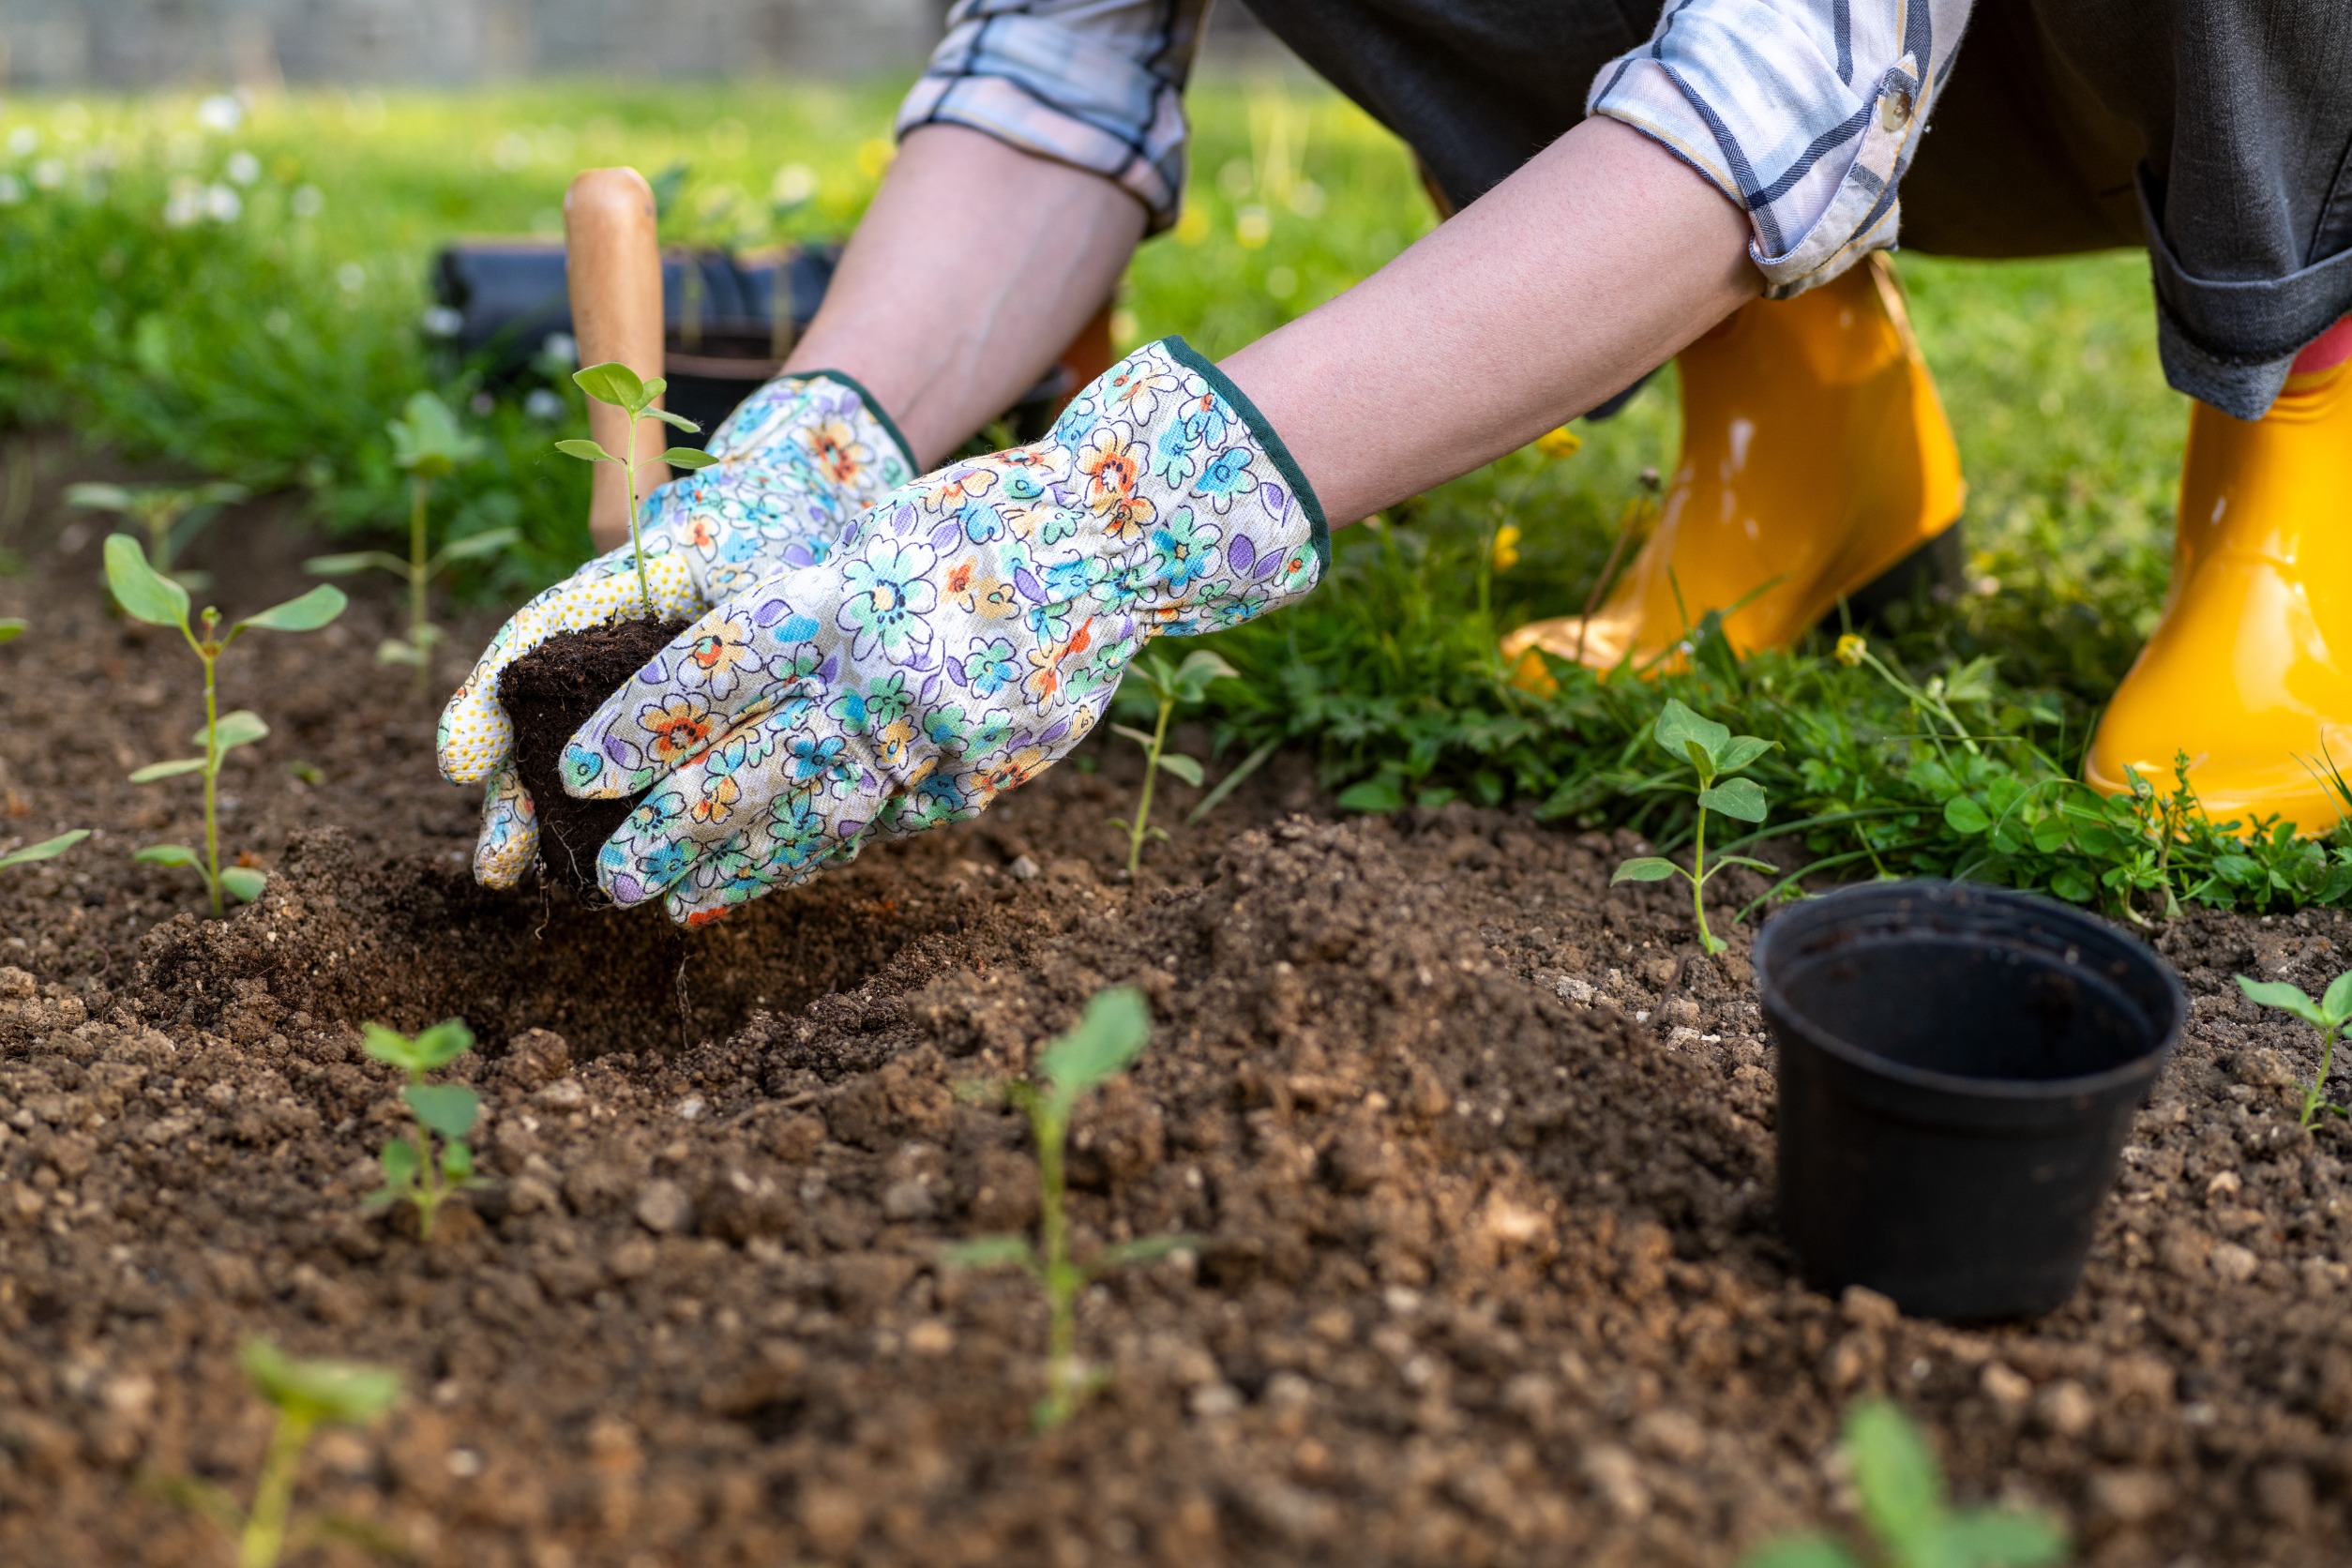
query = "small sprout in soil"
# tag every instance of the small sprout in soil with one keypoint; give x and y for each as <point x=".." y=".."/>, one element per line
<point x="616" y="384"/>
<point x="2329" y="1016"/>
<point x="48" y="849"/>
<point x="1109" y="1036"/>
<point x="430" y="443"/>
<point x="308" y="1394"/>
<point x="1716" y="755"/>
<point x="1171" y="685"/>
<point x="169" y="515"/>
<point x="444" y="1111"/>
<point x="146" y="594"/>
<point x="1905" y="1510"/>
<point x="11" y="628"/>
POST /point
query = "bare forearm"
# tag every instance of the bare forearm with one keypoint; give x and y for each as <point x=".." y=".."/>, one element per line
<point x="972" y="268"/>
<point x="1596" y="262"/>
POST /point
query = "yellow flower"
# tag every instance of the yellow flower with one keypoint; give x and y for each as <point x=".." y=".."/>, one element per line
<point x="1506" y="547"/>
<point x="1561" y="443"/>
<point x="1850" y="649"/>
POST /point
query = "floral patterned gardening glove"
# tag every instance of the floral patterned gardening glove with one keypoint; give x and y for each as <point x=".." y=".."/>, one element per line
<point x="964" y="635"/>
<point x="798" y="461"/>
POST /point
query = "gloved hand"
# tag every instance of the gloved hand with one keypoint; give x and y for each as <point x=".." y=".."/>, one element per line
<point x="966" y="634"/>
<point x="798" y="461"/>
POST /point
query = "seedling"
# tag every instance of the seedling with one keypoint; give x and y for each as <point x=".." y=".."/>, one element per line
<point x="412" y="1172"/>
<point x="147" y="594"/>
<point x="2329" y="1016"/>
<point x="616" y="384"/>
<point x="1109" y="1036"/>
<point x="169" y="515"/>
<point x="1716" y="755"/>
<point x="1903" y="1509"/>
<point x="430" y="444"/>
<point x="11" y="628"/>
<point x="48" y="849"/>
<point x="1171" y="685"/>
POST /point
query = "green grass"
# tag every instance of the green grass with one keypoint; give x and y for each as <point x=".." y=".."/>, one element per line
<point x="273" y="347"/>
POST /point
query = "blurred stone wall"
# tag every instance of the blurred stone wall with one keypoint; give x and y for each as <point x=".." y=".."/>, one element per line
<point x="264" y="43"/>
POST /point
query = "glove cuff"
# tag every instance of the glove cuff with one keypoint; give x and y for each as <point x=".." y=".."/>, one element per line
<point x="1268" y="437"/>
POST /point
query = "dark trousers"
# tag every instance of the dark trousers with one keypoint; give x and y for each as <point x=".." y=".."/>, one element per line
<point x="2218" y="133"/>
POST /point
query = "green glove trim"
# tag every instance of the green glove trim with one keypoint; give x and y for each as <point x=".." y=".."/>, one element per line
<point x="874" y="406"/>
<point x="1190" y="358"/>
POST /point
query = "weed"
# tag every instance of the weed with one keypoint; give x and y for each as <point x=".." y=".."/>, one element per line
<point x="2329" y="1016"/>
<point x="48" y="849"/>
<point x="616" y="384"/>
<point x="412" y="1174"/>
<point x="1111" y="1035"/>
<point x="1170" y="686"/>
<point x="169" y="515"/>
<point x="430" y="444"/>
<point x="1904" y="1511"/>
<point x="146" y="594"/>
<point x="1716" y="758"/>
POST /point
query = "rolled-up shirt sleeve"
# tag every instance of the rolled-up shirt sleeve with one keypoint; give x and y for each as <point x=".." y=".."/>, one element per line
<point x="1806" y="113"/>
<point x="1095" y="84"/>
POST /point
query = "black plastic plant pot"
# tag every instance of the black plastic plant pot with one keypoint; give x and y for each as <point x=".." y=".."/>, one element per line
<point x="1959" y="1070"/>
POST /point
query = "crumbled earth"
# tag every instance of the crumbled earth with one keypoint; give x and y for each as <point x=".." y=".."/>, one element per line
<point x="1475" y="1153"/>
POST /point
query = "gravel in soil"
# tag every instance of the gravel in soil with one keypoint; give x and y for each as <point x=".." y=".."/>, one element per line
<point x="1478" y="1152"/>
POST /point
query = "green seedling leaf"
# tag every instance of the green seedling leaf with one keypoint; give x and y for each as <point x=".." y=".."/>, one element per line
<point x="1373" y="795"/>
<point x="98" y="497"/>
<point x="357" y="561"/>
<point x="1143" y="1249"/>
<point x="11" y="630"/>
<point x="611" y="383"/>
<point x="1964" y="815"/>
<point x="1200" y="669"/>
<point x="990" y="1252"/>
<point x="145" y="594"/>
<point x="586" y="451"/>
<point x="1741" y="799"/>
<point x="1141" y="737"/>
<point x="242" y="883"/>
<point x="474" y="545"/>
<point x="1701" y="764"/>
<point x="1721" y="860"/>
<point x="48" y="849"/>
<point x="457" y="1162"/>
<point x="168" y="854"/>
<point x="2337" y="1003"/>
<point x="1996" y="1538"/>
<point x="675" y="421"/>
<point x="655" y="388"/>
<point x="1902" y="1488"/>
<point x="1644" y="868"/>
<point x="340" y="1393"/>
<point x="688" y="458"/>
<point x="429" y="440"/>
<point x="1181" y="767"/>
<point x="239" y="727"/>
<point x="1678" y="728"/>
<point x="393" y="651"/>
<point x="1803" y="1552"/>
<point x="310" y="612"/>
<point x="177" y="765"/>
<point x="398" y="1160"/>
<point x="443" y="1043"/>
<point x="447" y="1108"/>
<point x="1111" y="1035"/>
<point x="2286" y="997"/>
<point x="1742" y="750"/>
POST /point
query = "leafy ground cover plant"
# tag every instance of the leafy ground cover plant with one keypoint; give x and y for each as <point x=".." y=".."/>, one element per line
<point x="146" y="594"/>
<point x="1169" y="687"/>
<point x="48" y="849"/>
<point x="1716" y="758"/>
<point x="429" y="445"/>
<point x="616" y="384"/>
<point x="2329" y="1016"/>
<point x="413" y="1172"/>
<point x="1904" y="1508"/>
<point x="1111" y="1035"/>
<point x="169" y="515"/>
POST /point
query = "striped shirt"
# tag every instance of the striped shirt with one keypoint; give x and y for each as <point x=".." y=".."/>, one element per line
<point x="1805" y="113"/>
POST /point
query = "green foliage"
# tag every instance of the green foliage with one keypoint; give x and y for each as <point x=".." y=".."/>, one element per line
<point x="1904" y="1511"/>
<point x="11" y="628"/>
<point x="1168" y="686"/>
<point x="413" y="1172"/>
<point x="1716" y="757"/>
<point x="147" y="594"/>
<point x="1114" y="1032"/>
<point x="2329" y="1016"/>
<point x="169" y="515"/>
<point x="308" y="1394"/>
<point x="616" y="384"/>
<point x="48" y="849"/>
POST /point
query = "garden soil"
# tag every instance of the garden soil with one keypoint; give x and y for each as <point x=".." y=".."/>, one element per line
<point x="1475" y="1151"/>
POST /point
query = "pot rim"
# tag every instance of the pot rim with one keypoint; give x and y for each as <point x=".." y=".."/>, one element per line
<point x="2143" y="1067"/>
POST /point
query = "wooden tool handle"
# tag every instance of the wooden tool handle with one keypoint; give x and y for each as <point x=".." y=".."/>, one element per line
<point x="612" y="266"/>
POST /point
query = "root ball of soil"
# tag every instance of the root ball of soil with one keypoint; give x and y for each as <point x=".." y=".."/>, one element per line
<point x="549" y="693"/>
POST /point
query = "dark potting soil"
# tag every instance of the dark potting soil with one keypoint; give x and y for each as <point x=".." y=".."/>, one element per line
<point x="549" y="693"/>
<point x="1477" y="1150"/>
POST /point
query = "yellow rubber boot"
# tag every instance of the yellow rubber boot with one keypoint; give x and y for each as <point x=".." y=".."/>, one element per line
<point x="2250" y="671"/>
<point x="1816" y="456"/>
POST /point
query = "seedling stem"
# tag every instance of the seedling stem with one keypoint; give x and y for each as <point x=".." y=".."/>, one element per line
<point x="616" y="384"/>
<point x="1171" y="686"/>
